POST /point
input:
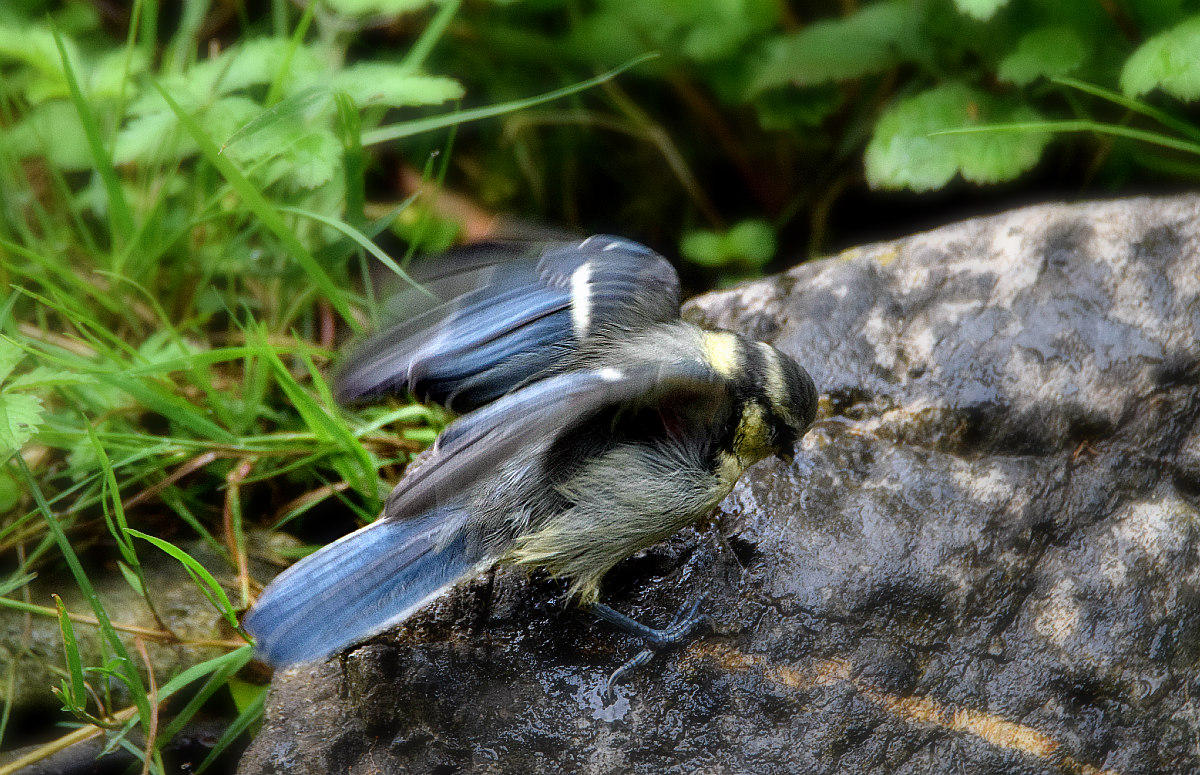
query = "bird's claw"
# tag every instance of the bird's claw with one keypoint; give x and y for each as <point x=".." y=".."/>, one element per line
<point x="684" y="624"/>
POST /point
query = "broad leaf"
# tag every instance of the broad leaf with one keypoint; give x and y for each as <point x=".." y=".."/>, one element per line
<point x="905" y="153"/>
<point x="1047" y="52"/>
<point x="380" y="83"/>
<point x="20" y="416"/>
<point x="864" y="42"/>
<point x="1169" y="61"/>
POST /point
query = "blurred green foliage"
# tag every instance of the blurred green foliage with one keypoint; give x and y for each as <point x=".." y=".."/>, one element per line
<point x="759" y="109"/>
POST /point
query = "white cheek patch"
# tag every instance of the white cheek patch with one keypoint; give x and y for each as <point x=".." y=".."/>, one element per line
<point x="776" y="389"/>
<point x="581" y="299"/>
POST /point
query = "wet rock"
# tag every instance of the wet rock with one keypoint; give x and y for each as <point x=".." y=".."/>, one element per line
<point x="986" y="558"/>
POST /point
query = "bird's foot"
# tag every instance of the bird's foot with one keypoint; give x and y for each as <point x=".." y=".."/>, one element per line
<point x="684" y="624"/>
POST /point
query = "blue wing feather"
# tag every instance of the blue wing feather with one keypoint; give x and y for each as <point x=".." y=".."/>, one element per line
<point x="361" y="584"/>
<point x="512" y="319"/>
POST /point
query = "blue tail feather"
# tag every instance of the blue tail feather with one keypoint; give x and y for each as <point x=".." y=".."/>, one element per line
<point x="361" y="584"/>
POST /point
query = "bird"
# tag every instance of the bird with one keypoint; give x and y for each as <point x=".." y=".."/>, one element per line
<point x="594" y="422"/>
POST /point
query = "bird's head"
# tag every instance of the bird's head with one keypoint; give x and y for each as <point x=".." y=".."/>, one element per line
<point x="776" y="399"/>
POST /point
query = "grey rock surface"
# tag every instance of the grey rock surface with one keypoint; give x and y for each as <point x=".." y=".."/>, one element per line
<point x="985" y="559"/>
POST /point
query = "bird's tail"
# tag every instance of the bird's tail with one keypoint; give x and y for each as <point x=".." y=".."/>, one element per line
<point x="361" y="584"/>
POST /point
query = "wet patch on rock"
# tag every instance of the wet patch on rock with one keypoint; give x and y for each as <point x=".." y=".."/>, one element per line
<point x="985" y="558"/>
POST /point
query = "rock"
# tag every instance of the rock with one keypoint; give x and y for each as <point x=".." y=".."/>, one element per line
<point x="986" y="557"/>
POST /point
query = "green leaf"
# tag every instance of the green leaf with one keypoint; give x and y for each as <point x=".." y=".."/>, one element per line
<point x="204" y="580"/>
<point x="1169" y="61"/>
<point x="753" y="241"/>
<point x="865" y="42"/>
<point x="980" y="9"/>
<point x="20" y="416"/>
<point x="290" y="109"/>
<point x="1047" y="52"/>
<point x="11" y="493"/>
<point x="703" y="247"/>
<point x="904" y="152"/>
<point x="52" y="130"/>
<point x="749" y="242"/>
<point x="244" y="693"/>
<point x="10" y="356"/>
<point x="380" y="83"/>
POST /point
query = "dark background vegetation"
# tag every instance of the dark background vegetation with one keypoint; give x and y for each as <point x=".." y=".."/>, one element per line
<point x="191" y="195"/>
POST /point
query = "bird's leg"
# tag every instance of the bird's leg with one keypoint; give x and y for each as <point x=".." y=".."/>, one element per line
<point x="686" y="621"/>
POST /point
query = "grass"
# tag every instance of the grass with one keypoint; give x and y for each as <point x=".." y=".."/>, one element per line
<point x="169" y="314"/>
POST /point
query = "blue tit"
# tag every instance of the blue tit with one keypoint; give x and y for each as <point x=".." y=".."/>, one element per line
<point x="595" y="424"/>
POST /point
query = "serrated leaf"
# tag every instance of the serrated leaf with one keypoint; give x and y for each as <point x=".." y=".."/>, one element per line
<point x="1169" y="61"/>
<point x="1047" y="52"/>
<point x="20" y="416"/>
<point x="10" y="356"/>
<point x="864" y="42"/>
<point x="290" y="109"/>
<point x="380" y="83"/>
<point x="253" y="63"/>
<point x="980" y="9"/>
<point x="110" y="76"/>
<point x="35" y="48"/>
<point x="904" y="152"/>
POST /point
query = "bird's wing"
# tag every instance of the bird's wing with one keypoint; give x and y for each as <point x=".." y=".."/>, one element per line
<point x="480" y="443"/>
<point x="492" y="317"/>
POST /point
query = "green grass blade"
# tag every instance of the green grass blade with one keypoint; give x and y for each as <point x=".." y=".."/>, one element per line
<point x="208" y="585"/>
<point x="219" y="671"/>
<point x="17" y="581"/>
<point x="1080" y="125"/>
<point x="1162" y="117"/>
<point x="10" y="682"/>
<point x="119" y="212"/>
<point x="361" y="240"/>
<point x="169" y="405"/>
<point x="297" y="38"/>
<point x="78" y="695"/>
<point x="385" y="134"/>
<point x="420" y="51"/>
<point x="128" y="668"/>
<point x="328" y="427"/>
<point x="349" y="130"/>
